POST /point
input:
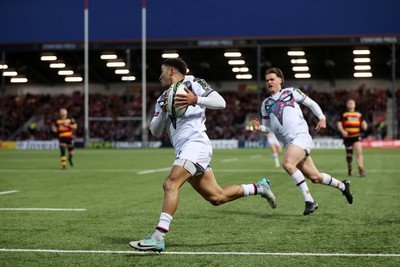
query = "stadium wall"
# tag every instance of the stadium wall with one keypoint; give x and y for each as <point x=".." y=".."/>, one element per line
<point x="319" y="143"/>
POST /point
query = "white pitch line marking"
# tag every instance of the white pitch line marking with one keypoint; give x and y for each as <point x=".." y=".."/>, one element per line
<point x="204" y="253"/>
<point x="39" y="209"/>
<point x="153" y="171"/>
<point x="9" y="192"/>
<point x="229" y="160"/>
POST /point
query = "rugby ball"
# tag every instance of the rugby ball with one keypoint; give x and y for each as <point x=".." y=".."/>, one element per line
<point x="172" y="109"/>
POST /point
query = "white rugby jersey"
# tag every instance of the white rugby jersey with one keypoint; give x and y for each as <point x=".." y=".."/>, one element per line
<point x="272" y="139"/>
<point x="191" y="126"/>
<point x="282" y="114"/>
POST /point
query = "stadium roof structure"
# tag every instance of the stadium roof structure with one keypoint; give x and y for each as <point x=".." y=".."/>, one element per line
<point x="327" y="59"/>
<point x="326" y="31"/>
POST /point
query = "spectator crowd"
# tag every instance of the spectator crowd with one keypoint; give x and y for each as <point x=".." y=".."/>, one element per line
<point x="118" y="117"/>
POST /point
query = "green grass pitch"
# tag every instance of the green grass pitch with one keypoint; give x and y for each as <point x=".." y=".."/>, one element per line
<point x="115" y="195"/>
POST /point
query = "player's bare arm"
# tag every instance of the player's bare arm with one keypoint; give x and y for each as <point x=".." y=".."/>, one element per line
<point x="256" y="124"/>
<point x="321" y="125"/>
<point x="364" y="125"/>
<point x="342" y="131"/>
<point x="73" y="126"/>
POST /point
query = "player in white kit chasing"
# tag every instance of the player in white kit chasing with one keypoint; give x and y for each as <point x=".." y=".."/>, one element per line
<point x="281" y="114"/>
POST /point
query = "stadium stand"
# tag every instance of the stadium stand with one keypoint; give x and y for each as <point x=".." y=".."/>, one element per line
<point x="28" y="117"/>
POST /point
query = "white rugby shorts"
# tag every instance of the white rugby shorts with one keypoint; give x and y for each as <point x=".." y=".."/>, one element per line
<point x="198" y="153"/>
<point x="304" y="141"/>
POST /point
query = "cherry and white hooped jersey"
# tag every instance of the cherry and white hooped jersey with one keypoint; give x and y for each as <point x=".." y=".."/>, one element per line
<point x="282" y="114"/>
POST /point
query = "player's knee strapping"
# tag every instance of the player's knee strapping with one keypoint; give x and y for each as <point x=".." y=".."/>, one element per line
<point x="70" y="151"/>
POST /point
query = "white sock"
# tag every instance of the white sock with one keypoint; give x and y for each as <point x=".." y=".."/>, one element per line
<point x="276" y="159"/>
<point x="329" y="180"/>
<point x="250" y="189"/>
<point x="301" y="184"/>
<point x="165" y="220"/>
<point x="158" y="235"/>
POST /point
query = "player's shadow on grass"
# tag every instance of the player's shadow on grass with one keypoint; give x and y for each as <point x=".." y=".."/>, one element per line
<point x="205" y="245"/>
<point x="246" y="213"/>
<point x="173" y="246"/>
<point x="276" y="216"/>
<point x="126" y="240"/>
<point x="119" y="240"/>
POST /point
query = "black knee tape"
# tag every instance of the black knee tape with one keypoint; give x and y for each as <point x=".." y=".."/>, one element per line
<point x="349" y="157"/>
<point x="349" y="151"/>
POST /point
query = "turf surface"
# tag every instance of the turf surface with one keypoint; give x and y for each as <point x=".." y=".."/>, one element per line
<point x="111" y="196"/>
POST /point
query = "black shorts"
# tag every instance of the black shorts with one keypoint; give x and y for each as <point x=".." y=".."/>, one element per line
<point x="68" y="141"/>
<point x="349" y="141"/>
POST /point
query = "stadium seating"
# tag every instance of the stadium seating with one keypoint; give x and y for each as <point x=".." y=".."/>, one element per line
<point x="106" y="111"/>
